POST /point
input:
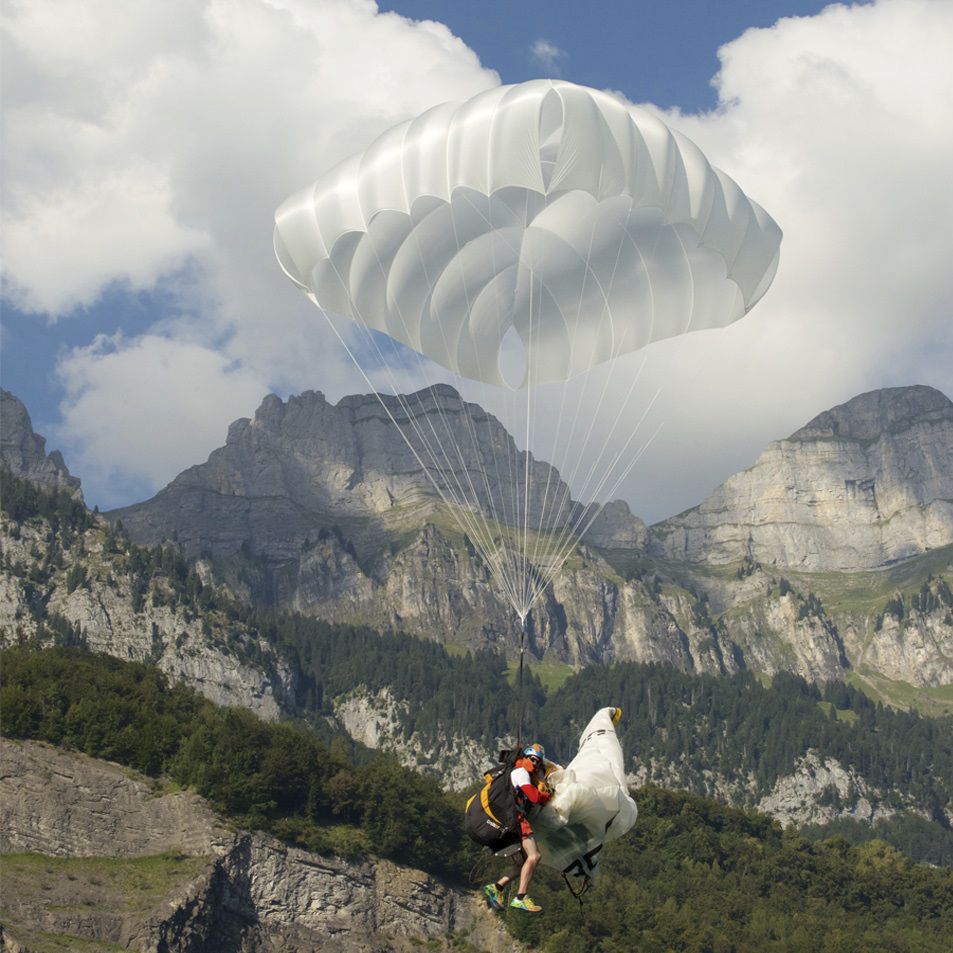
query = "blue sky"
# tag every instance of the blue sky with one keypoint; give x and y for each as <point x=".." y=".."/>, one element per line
<point x="665" y="53"/>
<point x="146" y="146"/>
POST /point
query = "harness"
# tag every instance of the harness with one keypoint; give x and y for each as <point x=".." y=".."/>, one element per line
<point x="492" y="818"/>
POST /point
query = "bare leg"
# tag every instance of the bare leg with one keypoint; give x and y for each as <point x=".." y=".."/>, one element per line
<point x="507" y="878"/>
<point x="532" y="855"/>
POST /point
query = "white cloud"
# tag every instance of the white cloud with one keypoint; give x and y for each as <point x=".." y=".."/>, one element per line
<point x="548" y="56"/>
<point x="141" y="411"/>
<point x="143" y="136"/>
<point x="838" y="125"/>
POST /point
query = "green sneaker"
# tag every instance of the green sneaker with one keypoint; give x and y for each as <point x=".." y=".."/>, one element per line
<point x="494" y="896"/>
<point x="527" y="904"/>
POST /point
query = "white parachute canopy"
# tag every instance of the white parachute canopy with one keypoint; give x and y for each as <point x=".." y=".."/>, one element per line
<point x="585" y="226"/>
<point x="591" y="806"/>
<point x="518" y="246"/>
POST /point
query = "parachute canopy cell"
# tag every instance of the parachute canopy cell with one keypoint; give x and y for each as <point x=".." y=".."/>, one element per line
<point x="591" y="806"/>
<point x="544" y="210"/>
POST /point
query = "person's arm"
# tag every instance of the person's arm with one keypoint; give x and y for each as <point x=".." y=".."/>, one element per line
<point x="534" y="794"/>
<point x="523" y="782"/>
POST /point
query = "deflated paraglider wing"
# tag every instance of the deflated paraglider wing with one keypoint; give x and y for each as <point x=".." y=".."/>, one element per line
<point x="591" y="806"/>
<point x="545" y="211"/>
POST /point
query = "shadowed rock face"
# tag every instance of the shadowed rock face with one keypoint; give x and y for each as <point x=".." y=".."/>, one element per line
<point x="251" y="893"/>
<point x="23" y="452"/>
<point x="861" y="486"/>
<point x="307" y="463"/>
<point x="283" y="479"/>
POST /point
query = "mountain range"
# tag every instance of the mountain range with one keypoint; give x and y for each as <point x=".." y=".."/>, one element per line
<point x="830" y="559"/>
<point x="788" y="566"/>
<point x="321" y="510"/>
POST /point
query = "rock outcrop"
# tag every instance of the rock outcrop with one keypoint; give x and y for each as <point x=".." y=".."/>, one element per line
<point x="109" y="610"/>
<point x="375" y="720"/>
<point x="245" y="892"/>
<point x="821" y="790"/>
<point x="861" y="486"/>
<point x="64" y="804"/>
<point x="23" y="452"/>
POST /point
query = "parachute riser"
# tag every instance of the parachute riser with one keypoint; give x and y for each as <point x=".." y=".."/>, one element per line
<point x="519" y="682"/>
<point x="578" y="894"/>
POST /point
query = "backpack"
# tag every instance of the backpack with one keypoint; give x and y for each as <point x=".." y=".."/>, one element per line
<point x="491" y="817"/>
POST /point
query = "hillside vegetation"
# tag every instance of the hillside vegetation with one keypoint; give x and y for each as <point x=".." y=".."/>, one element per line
<point x="735" y="735"/>
<point x="693" y="875"/>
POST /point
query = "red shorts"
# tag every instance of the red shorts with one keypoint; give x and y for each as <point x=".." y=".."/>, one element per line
<point x="525" y="829"/>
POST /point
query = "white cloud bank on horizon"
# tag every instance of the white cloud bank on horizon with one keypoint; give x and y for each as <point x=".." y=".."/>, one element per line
<point x="144" y="138"/>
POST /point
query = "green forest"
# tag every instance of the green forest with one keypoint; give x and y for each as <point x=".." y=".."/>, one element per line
<point x="693" y="875"/>
<point x="278" y="778"/>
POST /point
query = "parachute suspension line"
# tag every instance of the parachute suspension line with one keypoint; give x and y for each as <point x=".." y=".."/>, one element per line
<point x="518" y="560"/>
<point x="471" y="512"/>
<point x="597" y="509"/>
<point x="581" y="892"/>
<point x="561" y="539"/>
<point x="459" y="509"/>
<point x="504" y="572"/>
<point x="588" y="515"/>
<point x="519" y="686"/>
<point x="497" y="561"/>
<point x="527" y="569"/>
<point x="584" y="490"/>
<point x="594" y="415"/>
<point x="555" y="537"/>
<point x="572" y="533"/>
<point x="506" y="557"/>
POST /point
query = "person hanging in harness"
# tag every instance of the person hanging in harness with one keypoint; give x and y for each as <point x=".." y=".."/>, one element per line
<point x="527" y="786"/>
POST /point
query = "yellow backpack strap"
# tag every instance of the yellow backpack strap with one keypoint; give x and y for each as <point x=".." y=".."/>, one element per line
<point x="485" y="804"/>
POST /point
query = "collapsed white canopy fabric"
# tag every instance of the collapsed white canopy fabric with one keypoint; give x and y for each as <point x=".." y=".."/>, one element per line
<point x="545" y="210"/>
<point x="591" y="806"/>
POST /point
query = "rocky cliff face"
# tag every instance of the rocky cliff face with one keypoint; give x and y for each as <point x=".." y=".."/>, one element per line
<point x="243" y="892"/>
<point x="376" y="720"/>
<point x="48" y="579"/>
<point x="23" y="452"/>
<point x="369" y="466"/>
<point x="861" y="486"/>
<point x="821" y="790"/>
<point x="324" y="510"/>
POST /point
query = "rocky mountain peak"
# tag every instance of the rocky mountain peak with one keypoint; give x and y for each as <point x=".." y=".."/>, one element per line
<point x="23" y="452"/>
<point x="375" y="467"/>
<point x="862" y="485"/>
<point x="868" y="416"/>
